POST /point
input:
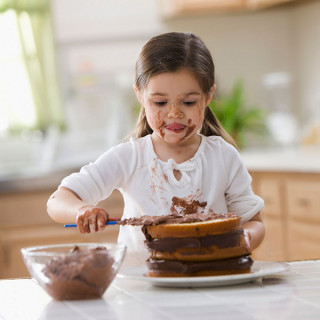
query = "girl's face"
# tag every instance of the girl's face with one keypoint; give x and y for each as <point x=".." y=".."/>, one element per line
<point x="174" y="105"/>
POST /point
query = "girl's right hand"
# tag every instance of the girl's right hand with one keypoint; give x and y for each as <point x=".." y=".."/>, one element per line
<point x="92" y="219"/>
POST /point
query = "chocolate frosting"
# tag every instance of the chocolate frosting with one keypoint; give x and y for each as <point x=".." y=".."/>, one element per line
<point x="239" y="263"/>
<point x="81" y="274"/>
<point x="170" y="244"/>
<point x="174" y="218"/>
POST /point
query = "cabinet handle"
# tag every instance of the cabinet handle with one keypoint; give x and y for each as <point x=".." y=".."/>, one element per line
<point x="303" y="202"/>
<point x="6" y="254"/>
<point x="268" y="200"/>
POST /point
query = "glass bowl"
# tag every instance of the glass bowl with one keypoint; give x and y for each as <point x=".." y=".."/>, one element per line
<point x="74" y="271"/>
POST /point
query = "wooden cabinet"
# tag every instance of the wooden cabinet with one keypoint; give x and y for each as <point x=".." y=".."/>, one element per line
<point x="177" y="8"/>
<point x="24" y="222"/>
<point x="270" y="188"/>
<point x="304" y="200"/>
<point x="259" y="4"/>
<point x="291" y="215"/>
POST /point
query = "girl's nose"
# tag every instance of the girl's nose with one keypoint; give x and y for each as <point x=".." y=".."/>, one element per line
<point x="175" y="112"/>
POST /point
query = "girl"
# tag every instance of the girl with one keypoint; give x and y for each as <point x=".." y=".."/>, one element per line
<point x="178" y="151"/>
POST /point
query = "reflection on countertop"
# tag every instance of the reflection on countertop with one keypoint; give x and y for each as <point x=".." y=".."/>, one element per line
<point x="286" y="159"/>
<point x="32" y="179"/>
<point x="35" y="164"/>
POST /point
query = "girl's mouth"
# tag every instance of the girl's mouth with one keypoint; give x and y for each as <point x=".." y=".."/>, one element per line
<point x="175" y="127"/>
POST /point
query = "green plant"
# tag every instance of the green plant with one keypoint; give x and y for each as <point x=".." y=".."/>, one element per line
<point x="237" y="118"/>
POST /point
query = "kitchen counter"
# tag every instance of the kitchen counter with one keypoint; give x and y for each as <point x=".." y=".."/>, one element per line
<point x="293" y="294"/>
<point x="294" y="159"/>
<point x="33" y="180"/>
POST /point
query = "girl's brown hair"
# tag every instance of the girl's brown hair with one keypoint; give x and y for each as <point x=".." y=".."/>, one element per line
<point x="170" y="52"/>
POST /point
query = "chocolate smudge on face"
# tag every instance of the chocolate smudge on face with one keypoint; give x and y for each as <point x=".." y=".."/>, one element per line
<point x="190" y="129"/>
<point x="161" y="129"/>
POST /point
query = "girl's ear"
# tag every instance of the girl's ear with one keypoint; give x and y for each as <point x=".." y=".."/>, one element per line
<point x="138" y="93"/>
<point x="211" y="93"/>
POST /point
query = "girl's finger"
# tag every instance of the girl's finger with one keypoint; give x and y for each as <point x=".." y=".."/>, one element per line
<point x="113" y="219"/>
<point x="101" y="221"/>
<point x="79" y="223"/>
<point x="92" y="223"/>
<point x="80" y="227"/>
<point x="92" y="227"/>
<point x="86" y="225"/>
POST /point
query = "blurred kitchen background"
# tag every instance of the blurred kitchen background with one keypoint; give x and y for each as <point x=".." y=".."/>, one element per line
<point x="66" y="96"/>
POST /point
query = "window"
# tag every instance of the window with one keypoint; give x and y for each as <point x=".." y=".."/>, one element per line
<point x="17" y="107"/>
<point x="29" y="90"/>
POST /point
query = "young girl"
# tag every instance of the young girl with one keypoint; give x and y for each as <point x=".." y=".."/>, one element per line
<point x="178" y="150"/>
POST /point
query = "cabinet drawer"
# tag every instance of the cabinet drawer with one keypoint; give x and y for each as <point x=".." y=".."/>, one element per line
<point x="303" y="240"/>
<point x="13" y="239"/>
<point x="270" y="191"/>
<point x="304" y="200"/>
<point x="24" y="208"/>
<point x="273" y="246"/>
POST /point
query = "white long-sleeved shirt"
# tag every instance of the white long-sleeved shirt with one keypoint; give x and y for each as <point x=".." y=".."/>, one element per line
<point x="215" y="174"/>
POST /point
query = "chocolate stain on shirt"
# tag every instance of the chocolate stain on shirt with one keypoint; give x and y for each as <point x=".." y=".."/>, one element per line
<point x="186" y="206"/>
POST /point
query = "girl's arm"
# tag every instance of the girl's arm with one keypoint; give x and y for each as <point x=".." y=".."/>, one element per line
<point x="254" y="230"/>
<point x="65" y="206"/>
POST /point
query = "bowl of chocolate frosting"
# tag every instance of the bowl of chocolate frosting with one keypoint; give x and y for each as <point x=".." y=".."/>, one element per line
<point x="74" y="271"/>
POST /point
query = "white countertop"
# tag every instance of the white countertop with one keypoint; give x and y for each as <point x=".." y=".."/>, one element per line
<point x="295" y="159"/>
<point x="293" y="294"/>
<point x="286" y="159"/>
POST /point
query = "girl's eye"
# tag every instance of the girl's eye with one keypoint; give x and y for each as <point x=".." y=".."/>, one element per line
<point x="189" y="103"/>
<point x="160" y="103"/>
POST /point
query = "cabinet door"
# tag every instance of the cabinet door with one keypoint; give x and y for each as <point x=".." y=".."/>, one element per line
<point x="25" y="222"/>
<point x="291" y="215"/>
<point x="304" y="200"/>
<point x="258" y="4"/>
<point x="273" y="245"/>
<point x="303" y="240"/>
<point x="270" y="188"/>
<point x="304" y="218"/>
<point x="22" y="208"/>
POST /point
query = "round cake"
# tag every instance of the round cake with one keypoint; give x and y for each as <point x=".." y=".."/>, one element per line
<point x="194" y="244"/>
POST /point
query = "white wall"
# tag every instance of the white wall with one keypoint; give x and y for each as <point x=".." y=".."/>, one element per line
<point x="307" y="46"/>
<point x="94" y="19"/>
<point x="98" y="43"/>
<point x="250" y="45"/>
<point x="244" y="45"/>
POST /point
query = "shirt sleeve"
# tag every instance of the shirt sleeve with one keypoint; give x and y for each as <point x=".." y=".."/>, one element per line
<point x="96" y="181"/>
<point x="239" y="195"/>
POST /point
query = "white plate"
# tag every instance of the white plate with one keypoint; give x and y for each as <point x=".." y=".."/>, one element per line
<point x="259" y="269"/>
